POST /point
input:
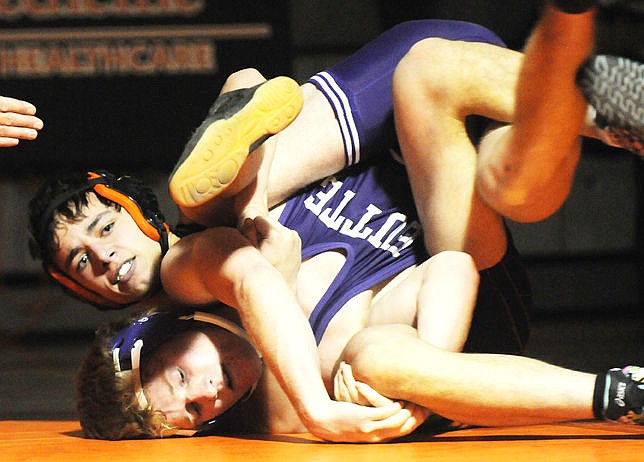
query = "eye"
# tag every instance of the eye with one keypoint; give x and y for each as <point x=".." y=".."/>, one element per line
<point x="107" y="229"/>
<point x="182" y="375"/>
<point x="83" y="260"/>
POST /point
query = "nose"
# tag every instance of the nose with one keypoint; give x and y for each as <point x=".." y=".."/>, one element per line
<point x="103" y="254"/>
<point x="203" y="388"/>
<point x="205" y="394"/>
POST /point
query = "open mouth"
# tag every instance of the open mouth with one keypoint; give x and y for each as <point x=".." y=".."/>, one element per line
<point x="124" y="270"/>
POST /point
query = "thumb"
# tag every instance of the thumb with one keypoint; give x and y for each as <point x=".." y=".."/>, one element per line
<point x="249" y="231"/>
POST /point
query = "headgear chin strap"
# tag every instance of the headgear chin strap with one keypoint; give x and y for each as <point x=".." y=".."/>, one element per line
<point x="151" y="332"/>
<point x="80" y="291"/>
<point x="113" y="189"/>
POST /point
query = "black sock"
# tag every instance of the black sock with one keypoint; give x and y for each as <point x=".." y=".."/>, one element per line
<point x="574" y="6"/>
<point x="598" y="396"/>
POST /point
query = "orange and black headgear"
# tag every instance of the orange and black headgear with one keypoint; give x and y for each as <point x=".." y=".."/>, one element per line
<point x="54" y="197"/>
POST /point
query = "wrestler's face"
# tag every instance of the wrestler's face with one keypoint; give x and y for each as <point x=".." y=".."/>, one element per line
<point x="198" y="375"/>
<point x="106" y="252"/>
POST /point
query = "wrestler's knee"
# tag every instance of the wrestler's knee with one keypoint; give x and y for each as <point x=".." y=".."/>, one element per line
<point x="457" y="262"/>
<point x="430" y="74"/>
<point x="514" y="188"/>
<point x="371" y="350"/>
<point x="424" y="64"/>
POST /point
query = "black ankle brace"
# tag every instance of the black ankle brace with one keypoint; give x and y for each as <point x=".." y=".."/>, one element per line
<point x="574" y="6"/>
<point x="617" y="396"/>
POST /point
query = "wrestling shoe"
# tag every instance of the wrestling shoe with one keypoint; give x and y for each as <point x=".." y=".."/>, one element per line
<point x="613" y="87"/>
<point x="623" y="399"/>
<point x="237" y="123"/>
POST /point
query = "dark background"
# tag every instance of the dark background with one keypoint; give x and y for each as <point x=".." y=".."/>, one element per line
<point x="130" y="122"/>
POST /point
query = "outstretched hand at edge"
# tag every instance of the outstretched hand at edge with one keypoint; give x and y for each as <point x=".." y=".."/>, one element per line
<point x="17" y="121"/>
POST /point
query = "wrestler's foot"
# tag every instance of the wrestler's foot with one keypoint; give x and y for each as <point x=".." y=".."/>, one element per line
<point x="623" y="399"/>
<point x="574" y="6"/>
<point x="613" y="87"/>
<point x="236" y="124"/>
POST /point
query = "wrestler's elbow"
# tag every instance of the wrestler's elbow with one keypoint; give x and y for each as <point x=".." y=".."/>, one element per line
<point x="256" y="280"/>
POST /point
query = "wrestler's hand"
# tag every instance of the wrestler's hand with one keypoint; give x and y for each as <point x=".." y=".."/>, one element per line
<point x="346" y="388"/>
<point x="348" y="422"/>
<point x="17" y="121"/>
<point x="281" y="246"/>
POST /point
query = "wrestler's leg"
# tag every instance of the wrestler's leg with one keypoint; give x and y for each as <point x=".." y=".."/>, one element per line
<point x="310" y="148"/>
<point x="525" y="172"/>
<point x="476" y="389"/>
<point x="356" y="95"/>
<point x="436" y="85"/>
<point x="346" y="116"/>
<point x="439" y="83"/>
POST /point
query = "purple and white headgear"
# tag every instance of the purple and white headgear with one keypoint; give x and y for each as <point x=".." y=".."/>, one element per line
<point x="152" y="331"/>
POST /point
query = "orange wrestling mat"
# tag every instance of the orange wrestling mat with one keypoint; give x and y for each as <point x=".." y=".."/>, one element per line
<point x="585" y="441"/>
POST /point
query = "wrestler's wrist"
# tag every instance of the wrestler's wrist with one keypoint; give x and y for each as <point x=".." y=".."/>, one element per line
<point x="314" y="410"/>
<point x="317" y="416"/>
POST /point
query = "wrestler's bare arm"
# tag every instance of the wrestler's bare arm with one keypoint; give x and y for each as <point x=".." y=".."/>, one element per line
<point x="437" y="297"/>
<point x="220" y="264"/>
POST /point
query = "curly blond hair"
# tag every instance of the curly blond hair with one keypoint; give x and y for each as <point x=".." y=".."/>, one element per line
<point x="105" y="403"/>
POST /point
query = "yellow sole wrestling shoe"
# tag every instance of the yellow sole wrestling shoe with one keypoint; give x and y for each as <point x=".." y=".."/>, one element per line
<point x="237" y="123"/>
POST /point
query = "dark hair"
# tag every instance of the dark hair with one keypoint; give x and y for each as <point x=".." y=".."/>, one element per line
<point x="66" y="197"/>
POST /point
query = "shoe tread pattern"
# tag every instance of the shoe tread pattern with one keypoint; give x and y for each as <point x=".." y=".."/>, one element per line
<point x="219" y="148"/>
<point x="613" y="86"/>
